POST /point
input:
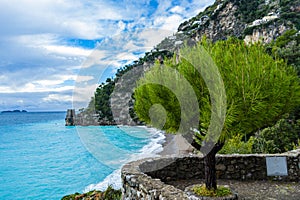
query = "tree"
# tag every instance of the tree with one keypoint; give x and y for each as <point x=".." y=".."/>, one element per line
<point x="101" y="100"/>
<point x="259" y="90"/>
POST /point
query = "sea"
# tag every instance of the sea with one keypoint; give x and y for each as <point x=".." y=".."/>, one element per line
<point x="41" y="158"/>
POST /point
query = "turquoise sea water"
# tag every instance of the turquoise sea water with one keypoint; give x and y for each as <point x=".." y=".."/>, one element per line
<point x="41" y="158"/>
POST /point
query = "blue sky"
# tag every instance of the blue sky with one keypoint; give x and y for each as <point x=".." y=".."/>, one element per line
<point x="48" y="48"/>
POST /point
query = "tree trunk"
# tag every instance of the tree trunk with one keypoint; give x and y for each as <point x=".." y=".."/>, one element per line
<point x="210" y="167"/>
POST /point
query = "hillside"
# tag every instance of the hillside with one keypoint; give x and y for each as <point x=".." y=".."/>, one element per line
<point x="260" y="20"/>
<point x="273" y="22"/>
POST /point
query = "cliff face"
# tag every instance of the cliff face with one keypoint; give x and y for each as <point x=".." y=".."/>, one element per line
<point x="253" y="21"/>
<point x="250" y="20"/>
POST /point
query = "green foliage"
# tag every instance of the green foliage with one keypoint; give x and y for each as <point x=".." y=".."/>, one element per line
<point x="236" y="145"/>
<point x="249" y="30"/>
<point x="147" y="96"/>
<point x="287" y="46"/>
<point x="251" y="10"/>
<point x="286" y="38"/>
<point x="109" y="194"/>
<point x="259" y="89"/>
<point x="221" y="191"/>
<point x="71" y="196"/>
<point x="102" y="100"/>
<point x="282" y="137"/>
<point x="289" y="12"/>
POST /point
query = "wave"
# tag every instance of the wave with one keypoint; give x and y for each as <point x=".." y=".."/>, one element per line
<point x="152" y="149"/>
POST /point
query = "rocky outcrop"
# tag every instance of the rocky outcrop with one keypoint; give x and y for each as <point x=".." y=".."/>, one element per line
<point x="222" y="23"/>
<point x="84" y="119"/>
<point x="70" y="118"/>
<point x="108" y="194"/>
<point x="262" y="20"/>
<point x="121" y="99"/>
<point x="266" y="34"/>
<point x="88" y="119"/>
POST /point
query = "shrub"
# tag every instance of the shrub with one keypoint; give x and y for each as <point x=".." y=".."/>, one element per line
<point x="283" y="136"/>
<point x="221" y="191"/>
<point x="236" y="145"/>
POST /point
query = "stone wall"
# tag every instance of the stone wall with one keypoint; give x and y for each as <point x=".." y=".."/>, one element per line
<point x="144" y="179"/>
<point x="139" y="185"/>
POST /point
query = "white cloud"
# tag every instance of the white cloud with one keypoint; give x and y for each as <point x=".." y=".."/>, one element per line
<point x="36" y="56"/>
<point x="177" y="9"/>
<point x="74" y="18"/>
<point x="34" y="88"/>
<point x="82" y="95"/>
<point x="56" y="80"/>
<point x="95" y="58"/>
<point x="58" y="97"/>
<point x="168" y="22"/>
<point x="80" y="79"/>
<point x="5" y="89"/>
<point x="152" y="37"/>
<point x="67" y="50"/>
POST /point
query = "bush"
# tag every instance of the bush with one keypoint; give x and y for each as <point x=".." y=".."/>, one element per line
<point x="221" y="191"/>
<point x="249" y="30"/>
<point x="283" y="136"/>
<point x="236" y="145"/>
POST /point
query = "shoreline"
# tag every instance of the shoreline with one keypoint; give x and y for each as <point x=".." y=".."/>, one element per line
<point x="167" y="147"/>
<point x="160" y="144"/>
<point x="176" y="145"/>
<point x="157" y="140"/>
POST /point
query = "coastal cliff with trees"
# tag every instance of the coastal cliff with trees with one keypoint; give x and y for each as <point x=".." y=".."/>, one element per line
<point x="274" y="23"/>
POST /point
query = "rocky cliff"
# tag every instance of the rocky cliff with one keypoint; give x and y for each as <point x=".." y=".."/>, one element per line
<point x="253" y="21"/>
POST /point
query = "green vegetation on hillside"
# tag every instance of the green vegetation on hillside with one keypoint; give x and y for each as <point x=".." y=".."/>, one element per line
<point x="251" y="10"/>
<point x="287" y="47"/>
<point x="102" y="100"/>
<point x="290" y="11"/>
<point x="100" y="103"/>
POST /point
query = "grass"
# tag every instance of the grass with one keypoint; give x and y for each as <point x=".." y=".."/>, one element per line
<point x="221" y="191"/>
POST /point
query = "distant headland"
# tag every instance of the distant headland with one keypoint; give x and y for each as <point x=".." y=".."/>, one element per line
<point x="14" y="111"/>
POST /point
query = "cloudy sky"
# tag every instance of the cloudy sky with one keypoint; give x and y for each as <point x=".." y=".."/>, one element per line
<point x="48" y="48"/>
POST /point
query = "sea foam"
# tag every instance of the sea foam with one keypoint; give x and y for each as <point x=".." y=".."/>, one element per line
<point x="152" y="149"/>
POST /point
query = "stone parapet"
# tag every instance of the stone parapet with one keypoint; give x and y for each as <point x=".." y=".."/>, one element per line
<point x="144" y="179"/>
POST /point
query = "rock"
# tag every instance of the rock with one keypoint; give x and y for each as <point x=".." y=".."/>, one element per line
<point x="220" y="167"/>
<point x="70" y="118"/>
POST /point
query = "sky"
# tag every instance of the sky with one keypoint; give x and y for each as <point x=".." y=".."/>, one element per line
<point x="54" y="53"/>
